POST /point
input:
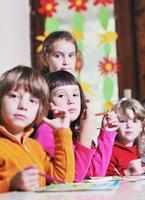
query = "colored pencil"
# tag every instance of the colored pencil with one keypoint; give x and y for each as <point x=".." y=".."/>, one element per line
<point x="101" y="113"/>
<point x="51" y="179"/>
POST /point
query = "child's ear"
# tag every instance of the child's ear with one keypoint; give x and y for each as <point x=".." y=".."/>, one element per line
<point x="84" y="114"/>
<point x="43" y="59"/>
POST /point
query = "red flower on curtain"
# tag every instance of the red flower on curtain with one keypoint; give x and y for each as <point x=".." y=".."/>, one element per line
<point x="78" y="5"/>
<point x="104" y="2"/>
<point x="47" y="7"/>
<point x="108" y="66"/>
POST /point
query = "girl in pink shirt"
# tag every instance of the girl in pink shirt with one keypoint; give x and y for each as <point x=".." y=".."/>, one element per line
<point x="92" y="154"/>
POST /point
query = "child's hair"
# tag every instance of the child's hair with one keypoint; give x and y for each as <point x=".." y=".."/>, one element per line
<point x="29" y="79"/>
<point x="79" y="61"/>
<point x="48" y="42"/>
<point x="143" y="103"/>
<point x="61" y="78"/>
<point x="133" y="104"/>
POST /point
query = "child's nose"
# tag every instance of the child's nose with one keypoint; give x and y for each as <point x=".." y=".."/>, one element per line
<point x="22" y="105"/>
<point x="65" y="60"/>
<point x="129" y="123"/>
<point x="70" y="100"/>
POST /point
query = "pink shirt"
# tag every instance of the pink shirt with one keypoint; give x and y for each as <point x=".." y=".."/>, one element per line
<point x="88" y="161"/>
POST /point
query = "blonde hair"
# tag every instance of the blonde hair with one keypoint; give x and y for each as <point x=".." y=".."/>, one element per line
<point x="132" y="104"/>
<point x="124" y="104"/>
<point x="31" y="81"/>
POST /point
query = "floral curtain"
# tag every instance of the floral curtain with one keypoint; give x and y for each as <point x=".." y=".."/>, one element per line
<point x="92" y="23"/>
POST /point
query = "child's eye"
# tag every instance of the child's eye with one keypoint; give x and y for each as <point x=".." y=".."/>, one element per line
<point x="71" y="55"/>
<point x="61" y="95"/>
<point x="57" y="55"/>
<point x="76" y="95"/>
<point x="34" y="100"/>
<point x="122" y="121"/>
<point x="14" y="95"/>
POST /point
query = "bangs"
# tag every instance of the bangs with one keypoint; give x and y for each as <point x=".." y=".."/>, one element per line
<point x="24" y="77"/>
<point x="131" y="104"/>
<point x="59" y="83"/>
<point x="55" y="36"/>
<point x="61" y="78"/>
<point x="126" y="107"/>
<point x="32" y="87"/>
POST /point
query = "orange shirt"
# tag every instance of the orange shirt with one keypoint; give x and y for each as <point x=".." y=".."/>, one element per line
<point x="15" y="156"/>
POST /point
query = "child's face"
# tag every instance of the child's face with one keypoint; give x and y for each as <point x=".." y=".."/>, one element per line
<point x="18" y="110"/>
<point x="62" y="56"/>
<point x="68" y="98"/>
<point x="130" y="127"/>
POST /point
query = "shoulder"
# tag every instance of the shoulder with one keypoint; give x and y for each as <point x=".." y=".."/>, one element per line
<point x="32" y="142"/>
<point x="44" y="125"/>
<point x="44" y="129"/>
<point x="34" y="145"/>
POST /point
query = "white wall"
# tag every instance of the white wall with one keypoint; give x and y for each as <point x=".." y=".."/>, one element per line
<point x="14" y="33"/>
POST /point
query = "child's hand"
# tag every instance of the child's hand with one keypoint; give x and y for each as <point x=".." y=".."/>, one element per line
<point x="110" y="121"/>
<point x="134" y="168"/>
<point x="26" y="179"/>
<point x="88" y="128"/>
<point x="61" y="117"/>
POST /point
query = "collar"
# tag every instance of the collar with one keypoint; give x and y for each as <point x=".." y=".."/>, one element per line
<point x="6" y="133"/>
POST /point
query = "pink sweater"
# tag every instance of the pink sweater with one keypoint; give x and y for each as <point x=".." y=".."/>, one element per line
<point x="88" y="162"/>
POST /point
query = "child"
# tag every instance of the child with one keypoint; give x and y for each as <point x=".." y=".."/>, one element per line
<point x="59" y="52"/>
<point x="90" y="159"/>
<point x="23" y="103"/>
<point x="131" y="117"/>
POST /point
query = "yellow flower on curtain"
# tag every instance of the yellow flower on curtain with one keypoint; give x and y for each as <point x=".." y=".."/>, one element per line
<point x="41" y="38"/>
<point x="107" y="37"/>
<point x="87" y="88"/>
<point x="108" y="105"/>
<point x="79" y="36"/>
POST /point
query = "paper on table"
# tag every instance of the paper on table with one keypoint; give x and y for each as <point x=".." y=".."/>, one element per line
<point x="113" y="178"/>
<point x="93" y="179"/>
<point x="129" y="178"/>
<point x="99" y="186"/>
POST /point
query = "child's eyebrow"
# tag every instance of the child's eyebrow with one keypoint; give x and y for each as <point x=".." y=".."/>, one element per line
<point x="60" y="52"/>
<point x="60" y="90"/>
<point x="57" y="52"/>
<point x="77" y="89"/>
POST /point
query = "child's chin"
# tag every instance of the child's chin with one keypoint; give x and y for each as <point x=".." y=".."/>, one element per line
<point x="73" y="118"/>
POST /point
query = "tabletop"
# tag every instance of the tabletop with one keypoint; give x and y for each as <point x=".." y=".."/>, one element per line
<point x="126" y="190"/>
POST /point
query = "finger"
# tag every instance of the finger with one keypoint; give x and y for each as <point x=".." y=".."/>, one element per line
<point x="57" y="110"/>
<point x="52" y="105"/>
<point x="31" y="183"/>
<point x="45" y="119"/>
